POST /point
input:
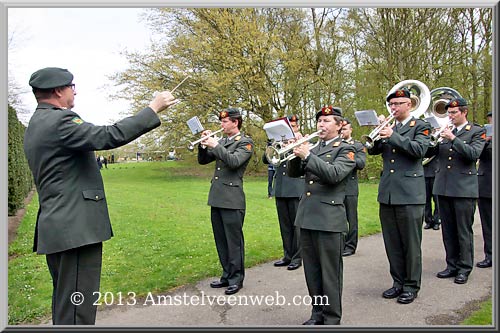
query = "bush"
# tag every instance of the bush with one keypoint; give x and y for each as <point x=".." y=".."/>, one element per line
<point x="20" y="179"/>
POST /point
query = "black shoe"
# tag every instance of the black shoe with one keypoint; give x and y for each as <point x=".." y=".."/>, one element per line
<point x="347" y="253"/>
<point x="407" y="297"/>
<point x="219" y="284"/>
<point x="293" y="266"/>
<point x="281" y="263"/>
<point x="446" y="274"/>
<point x="461" y="278"/>
<point x="233" y="289"/>
<point x="392" y="292"/>
<point x="313" y="322"/>
<point x="435" y="226"/>
<point x="485" y="263"/>
<point x="427" y="225"/>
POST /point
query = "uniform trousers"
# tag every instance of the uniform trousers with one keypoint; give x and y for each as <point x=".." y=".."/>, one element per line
<point x="457" y="217"/>
<point x="485" y="211"/>
<point x="290" y="235"/>
<point x="227" y="226"/>
<point x="323" y="268"/>
<point x="73" y="271"/>
<point x="351" y="210"/>
<point x="402" y="233"/>
<point x="430" y="218"/>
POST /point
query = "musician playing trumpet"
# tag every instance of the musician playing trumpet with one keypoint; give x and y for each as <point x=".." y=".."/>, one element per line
<point x="401" y="195"/>
<point x="321" y="214"/>
<point x="226" y="197"/>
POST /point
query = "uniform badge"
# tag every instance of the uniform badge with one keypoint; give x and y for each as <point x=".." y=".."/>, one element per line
<point x="77" y="120"/>
<point x="328" y="156"/>
<point x="467" y="128"/>
<point x="336" y="144"/>
<point x="248" y="147"/>
<point x="237" y="138"/>
<point x="350" y="155"/>
<point x="483" y="135"/>
<point x="426" y="132"/>
<point x="412" y="123"/>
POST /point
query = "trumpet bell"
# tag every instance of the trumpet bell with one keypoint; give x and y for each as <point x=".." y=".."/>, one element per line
<point x="273" y="155"/>
<point x="367" y="141"/>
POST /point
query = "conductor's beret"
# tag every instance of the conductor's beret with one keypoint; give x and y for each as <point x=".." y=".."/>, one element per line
<point x="50" y="77"/>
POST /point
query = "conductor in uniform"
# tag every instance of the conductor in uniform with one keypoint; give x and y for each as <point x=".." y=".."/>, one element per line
<point x="484" y="202"/>
<point x="456" y="186"/>
<point x="226" y="197"/>
<point x="352" y="189"/>
<point x="287" y="192"/>
<point x="401" y="195"/>
<point x="73" y="219"/>
<point x="321" y="213"/>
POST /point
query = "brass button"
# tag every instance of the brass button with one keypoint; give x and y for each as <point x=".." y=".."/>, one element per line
<point x="230" y="183"/>
<point x="449" y="166"/>
<point x="216" y="177"/>
<point x="393" y="150"/>
<point x="333" y="201"/>
<point x="414" y="175"/>
<point x="392" y="171"/>
<point x="284" y="165"/>
<point x="392" y="161"/>
<point x="218" y="168"/>
<point x="308" y="194"/>
<point x="451" y="149"/>
<point x="449" y="158"/>
<point x="284" y="173"/>
<point x="311" y="182"/>
<point x="97" y="197"/>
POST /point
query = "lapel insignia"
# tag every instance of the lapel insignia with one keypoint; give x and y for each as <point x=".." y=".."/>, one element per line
<point x="237" y="138"/>
<point x="412" y="123"/>
<point x="336" y="144"/>
<point x="77" y="120"/>
<point x="467" y="127"/>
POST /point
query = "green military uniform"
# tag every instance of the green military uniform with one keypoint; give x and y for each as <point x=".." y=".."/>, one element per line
<point x="351" y="196"/>
<point x="227" y="201"/>
<point x="484" y="202"/>
<point x="73" y="219"/>
<point x="401" y="196"/>
<point x="456" y="186"/>
<point x="322" y="220"/>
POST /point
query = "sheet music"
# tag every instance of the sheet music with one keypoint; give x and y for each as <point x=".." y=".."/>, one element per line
<point x="195" y="125"/>
<point x="433" y="121"/>
<point x="366" y="117"/>
<point x="489" y="129"/>
<point x="279" y="129"/>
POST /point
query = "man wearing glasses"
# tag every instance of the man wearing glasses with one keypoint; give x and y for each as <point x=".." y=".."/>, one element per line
<point x="456" y="186"/>
<point x="73" y="218"/>
<point x="401" y="195"/>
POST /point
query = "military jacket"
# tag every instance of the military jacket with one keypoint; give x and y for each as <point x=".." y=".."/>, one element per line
<point x="402" y="181"/>
<point x="326" y="169"/>
<point x="284" y="185"/>
<point x="430" y="168"/>
<point x="59" y="147"/>
<point x="457" y="174"/>
<point x="360" y="159"/>
<point x="231" y="160"/>
<point x="484" y="172"/>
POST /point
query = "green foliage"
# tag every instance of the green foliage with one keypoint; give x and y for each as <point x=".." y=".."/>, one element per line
<point x="20" y="179"/>
<point x="163" y="236"/>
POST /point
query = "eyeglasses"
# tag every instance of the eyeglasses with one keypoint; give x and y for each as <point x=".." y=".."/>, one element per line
<point x="72" y="86"/>
<point x="396" y="103"/>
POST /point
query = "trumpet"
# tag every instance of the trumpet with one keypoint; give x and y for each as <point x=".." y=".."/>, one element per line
<point x="436" y="137"/>
<point x="194" y="143"/>
<point x="369" y="140"/>
<point x="276" y="156"/>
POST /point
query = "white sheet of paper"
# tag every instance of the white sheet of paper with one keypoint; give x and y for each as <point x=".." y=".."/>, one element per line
<point x="433" y="121"/>
<point x="366" y="117"/>
<point x="489" y="129"/>
<point x="279" y="129"/>
<point x="195" y="125"/>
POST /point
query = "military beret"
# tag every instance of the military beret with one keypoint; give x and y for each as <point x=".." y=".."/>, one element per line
<point x="455" y="102"/>
<point x="398" y="93"/>
<point x="489" y="114"/>
<point x="329" y="111"/>
<point x="230" y="112"/>
<point x="293" y="117"/>
<point x="50" y="77"/>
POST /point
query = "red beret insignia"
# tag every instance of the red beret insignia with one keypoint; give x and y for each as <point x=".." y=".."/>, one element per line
<point x="400" y="93"/>
<point x="223" y="114"/>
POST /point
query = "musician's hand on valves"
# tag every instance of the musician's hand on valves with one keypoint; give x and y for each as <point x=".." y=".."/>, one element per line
<point x="210" y="142"/>
<point x="302" y="151"/>
<point x="386" y="132"/>
<point x="162" y="101"/>
<point x="447" y="134"/>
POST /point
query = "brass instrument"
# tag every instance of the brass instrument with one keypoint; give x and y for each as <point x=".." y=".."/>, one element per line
<point x="439" y="98"/>
<point x="278" y="153"/>
<point x="435" y="140"/>
<point x="420" y="99"/>
<point x="194" y="143"/>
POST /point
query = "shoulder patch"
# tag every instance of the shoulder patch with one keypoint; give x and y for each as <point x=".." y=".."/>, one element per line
<point x="412" y="123"/>
<point x="426" y="132"/>
<point x="350" y="155"/>
<point x="483" y="135"/>
<point x="248" y="147"/>
<point x="77" y="120"/>
<point x="467" y="127"/>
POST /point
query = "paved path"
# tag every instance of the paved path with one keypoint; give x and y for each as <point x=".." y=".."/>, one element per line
<point x="366" y="276"/>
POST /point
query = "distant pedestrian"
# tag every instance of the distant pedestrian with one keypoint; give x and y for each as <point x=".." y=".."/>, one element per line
<point x="99" y="163"/>
<point x="105" y="161"/>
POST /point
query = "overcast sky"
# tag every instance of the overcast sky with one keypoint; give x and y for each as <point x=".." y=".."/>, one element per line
<point x="86" y="41"/>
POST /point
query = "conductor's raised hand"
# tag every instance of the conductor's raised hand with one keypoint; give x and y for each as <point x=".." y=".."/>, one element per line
<point x="162" y="101"/>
